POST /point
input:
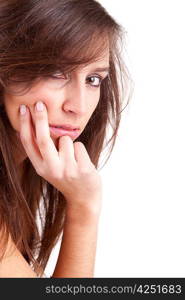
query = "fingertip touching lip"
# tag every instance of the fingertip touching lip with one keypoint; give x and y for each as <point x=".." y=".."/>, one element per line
<point x="65" y="126"/>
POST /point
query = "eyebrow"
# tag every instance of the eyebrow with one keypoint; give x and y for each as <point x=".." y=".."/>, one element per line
<point x="102" y="69"/>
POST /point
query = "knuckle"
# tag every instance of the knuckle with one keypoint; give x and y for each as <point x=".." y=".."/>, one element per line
<point x="84" y="171"/>
<point x="88" y="169"/>
<point x="42" y="141"/>
<point x="24" y="138"/>
<point x="70" y="175"/>
<point x="79" y="144"/>
<point x="54" y="175"/>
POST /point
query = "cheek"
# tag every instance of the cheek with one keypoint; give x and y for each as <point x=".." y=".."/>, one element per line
<point x="11" y="108"/>
<point x="13" y="102"/>
<point x="94" y="102"/>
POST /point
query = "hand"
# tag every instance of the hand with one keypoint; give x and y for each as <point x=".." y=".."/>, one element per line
<point x="69" y="169"/>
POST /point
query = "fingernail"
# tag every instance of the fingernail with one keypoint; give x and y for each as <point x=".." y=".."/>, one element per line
<point x="22" y="109"/>
<point x="39" y="106"/>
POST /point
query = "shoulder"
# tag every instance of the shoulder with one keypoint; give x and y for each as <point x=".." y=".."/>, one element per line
<point x="12" y="263"/>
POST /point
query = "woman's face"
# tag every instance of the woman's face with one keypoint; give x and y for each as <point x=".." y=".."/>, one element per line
<point x="68" y="100"/>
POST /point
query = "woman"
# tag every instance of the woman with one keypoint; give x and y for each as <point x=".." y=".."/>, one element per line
<point x="60" y="66"/>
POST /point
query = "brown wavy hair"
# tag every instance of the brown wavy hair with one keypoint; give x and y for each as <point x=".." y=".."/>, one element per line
<point x="38" y="38"/>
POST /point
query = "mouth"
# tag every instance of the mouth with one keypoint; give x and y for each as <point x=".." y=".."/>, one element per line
<point x="64" y="126"/>
<point x="61" y="130"/>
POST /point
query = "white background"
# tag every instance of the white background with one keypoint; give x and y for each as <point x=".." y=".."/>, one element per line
<point x="141" y="229"/>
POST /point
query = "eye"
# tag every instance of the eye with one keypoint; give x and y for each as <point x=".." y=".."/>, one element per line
<point x="95" y="81"/>
<point x="59" y="75"/>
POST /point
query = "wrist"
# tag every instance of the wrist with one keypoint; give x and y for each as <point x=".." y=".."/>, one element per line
<point x="83" y="214"/>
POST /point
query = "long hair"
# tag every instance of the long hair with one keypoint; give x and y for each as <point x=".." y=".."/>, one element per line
<point x="38" y="38"/>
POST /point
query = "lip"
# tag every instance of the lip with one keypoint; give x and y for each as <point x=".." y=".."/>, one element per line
<point x="57" y="132"/>
<point x="65" y="126"/>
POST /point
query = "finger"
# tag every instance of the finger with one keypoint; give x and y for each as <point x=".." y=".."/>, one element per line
<point x="45" y="143"/>
<point x="27" y="137"/>
<point x="66" y="150"/>
<point x="81" y="155"/>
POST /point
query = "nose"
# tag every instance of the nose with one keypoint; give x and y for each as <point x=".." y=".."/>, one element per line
<point x="75" y="100"/>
